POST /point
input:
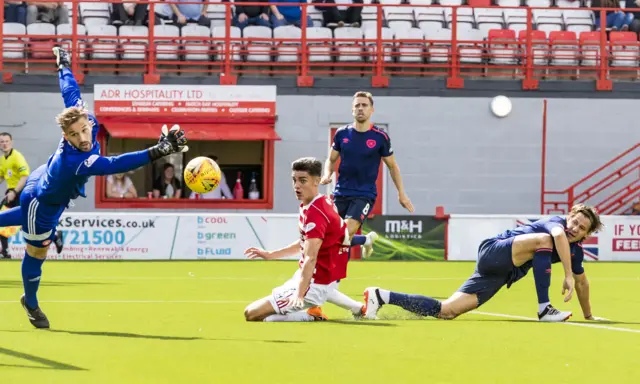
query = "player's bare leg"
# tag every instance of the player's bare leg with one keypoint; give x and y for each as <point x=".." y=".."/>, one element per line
<point x="538" y="248"/>
<point x="31" y="271"/>
<point x="262" y="310"/>
<point x="454" y="306"/>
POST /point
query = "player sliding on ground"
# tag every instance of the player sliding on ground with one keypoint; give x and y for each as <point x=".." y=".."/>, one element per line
<point x="50" y="188"/>
<point x="360" y="146"/>
<point x="324" y="246"/>
<point x="505" y="259"/>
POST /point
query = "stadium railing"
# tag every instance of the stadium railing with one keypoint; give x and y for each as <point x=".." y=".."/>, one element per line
<point x="530" y="44"/>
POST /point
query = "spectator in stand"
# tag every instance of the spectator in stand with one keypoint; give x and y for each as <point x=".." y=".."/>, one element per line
<point x="129" y="13"/>
<point x="251" y="14"/>
<point x="15" y="12"/>
<point x="52" y="13"/>
<point x="282" y="15"/>
<point x="635" y="209"/>
<point x="120" y="186"/>
<point x="223" y="187"/>
<point x="341" y="15"/>
<point x="633" y="7"/>
<point x="167" y="185"/>
<point x="181" y="13"/>
<point x="616" y="20"/>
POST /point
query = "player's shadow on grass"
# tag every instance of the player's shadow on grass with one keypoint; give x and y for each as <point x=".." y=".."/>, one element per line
<point x="17" y="283"/>
<point x="125" y="335"/>
<point x="44" y="363"/>
<point x="158" y="337"/>
<point x="360" y="322"/>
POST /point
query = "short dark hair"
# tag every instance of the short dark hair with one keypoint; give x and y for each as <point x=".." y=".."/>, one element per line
<point x="167" y="166"/>
<point x="311" y="165"/>
<point x="368" y="95"/>
<point x="6" y="134"/>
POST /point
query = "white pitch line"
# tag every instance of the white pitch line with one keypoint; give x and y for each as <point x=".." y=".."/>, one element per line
<point x="196" y="277"/>
<point x="587" y="325"/>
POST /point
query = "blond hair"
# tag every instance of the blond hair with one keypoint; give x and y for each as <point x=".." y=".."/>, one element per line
<point x="70" y="116"/>
<point x="590" y="213"/>
<point x="368" y="95"/>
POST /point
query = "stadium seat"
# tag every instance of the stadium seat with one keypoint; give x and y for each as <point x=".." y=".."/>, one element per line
<point x="94" y="13"/>
<point x="589" y="48"/>
<point x="508" y="3"/>
<point x="449" y="3"/>
<point x="370" y="44"/>
<point x="564" y="48"/>
<point x="132" y="48"/>
<point x="258" y="50"/>
<point x="430" y="18"/>
<point x="65" y="42"/>
<point x="548" y="20"/>
<point x="196" y="50"/>
<point x="410" y="51"/>
<point x="578" y="20"/>
<point x="105" y="45"/>
<point x="320" y="49"/>
<point x="502" y="46"/>
<point x="516" y="19"/>
<point x="288" y="51"/>
<point x="351" y="50"/>
<point x="470" y="46"/>
<point x="316" y="14"/>
<point x="438" y="45"/>
<point x="539" y="45"/>
<point x="489" y="18"/>
<point x="568" y="3"/>
<point x="369" y="16"/>
<point x="464" y="16"/>
<point x="479" y="3"/>
<point x="217" y="14"/>
<point x="218" y="33"/>
<point x="167" y="42"/>
<point x="41" y="40"/>
<point x="13" y="47"/>
<point x="399" y="17"/>
<point x="538" y="3"/>
<point x="624" y="49"/>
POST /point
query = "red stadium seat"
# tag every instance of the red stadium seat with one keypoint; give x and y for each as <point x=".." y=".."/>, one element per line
<point x="624" y="49"/>
<point x="564" y="48"/>
<point x="590" y="48"/>
<point x="502" y="46"/>
<point x="479" y="3"/>
<point x="539" y="45"/>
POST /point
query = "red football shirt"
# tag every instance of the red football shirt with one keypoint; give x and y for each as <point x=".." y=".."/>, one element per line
<point x="320" y="220"/>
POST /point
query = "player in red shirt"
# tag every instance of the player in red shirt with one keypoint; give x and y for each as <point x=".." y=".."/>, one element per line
<point x="323" y="246"/>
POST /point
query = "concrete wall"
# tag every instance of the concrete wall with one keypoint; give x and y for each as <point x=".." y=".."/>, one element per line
<point x="452" y="151"/>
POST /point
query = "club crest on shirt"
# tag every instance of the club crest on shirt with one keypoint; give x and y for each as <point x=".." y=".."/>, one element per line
<point x="371" y="143"/>
<point x="309" y="227"/>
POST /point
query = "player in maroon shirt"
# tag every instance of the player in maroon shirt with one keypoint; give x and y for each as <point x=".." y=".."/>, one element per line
<point x="323" y="246"/>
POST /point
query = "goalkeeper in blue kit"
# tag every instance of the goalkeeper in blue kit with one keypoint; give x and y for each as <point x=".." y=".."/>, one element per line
<point x="51" y="187"/>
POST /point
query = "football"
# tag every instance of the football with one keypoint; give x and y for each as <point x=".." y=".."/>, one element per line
<point x="202" y="175"/>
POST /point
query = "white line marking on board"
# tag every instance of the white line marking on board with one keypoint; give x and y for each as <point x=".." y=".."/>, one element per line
<point x="587" y="325"/>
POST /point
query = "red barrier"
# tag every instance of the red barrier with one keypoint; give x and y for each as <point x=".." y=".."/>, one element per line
<point x="462" y="47"/>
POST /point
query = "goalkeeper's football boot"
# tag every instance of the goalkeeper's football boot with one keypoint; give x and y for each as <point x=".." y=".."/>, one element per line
<point x="37" y="318"/>
<point x="360" y="315"/>
<point x="372" y="303"/>
<point x="59" y="242"/>
<point x="550" y="314"/>
<point x="63" y="60"/>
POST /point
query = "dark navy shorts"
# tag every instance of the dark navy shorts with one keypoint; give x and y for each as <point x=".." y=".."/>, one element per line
<point x="493" y="270"/>
<point x="356" y="208"/>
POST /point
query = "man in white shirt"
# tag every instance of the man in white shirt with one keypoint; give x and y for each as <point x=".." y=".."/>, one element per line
<point x="223" y="188"/>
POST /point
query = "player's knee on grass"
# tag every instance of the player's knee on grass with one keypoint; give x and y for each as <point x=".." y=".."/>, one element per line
<point x="37" y="252"/>
<point x="458" y="304"/>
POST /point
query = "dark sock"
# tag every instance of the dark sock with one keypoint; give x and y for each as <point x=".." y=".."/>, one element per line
<point x="358" y="240"/>
<point x="542" y="273"/>
<point x="5" y="244"/>
<point x="31" y="272"/>
<point x="420" y="305"/>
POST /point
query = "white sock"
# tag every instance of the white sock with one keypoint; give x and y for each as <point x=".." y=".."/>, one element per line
<point x="341" y="300"/>
<point x="542" y="306"/>
<point x="384" y="295"/>
<point x="295" y="316"/>
<point x="368" y="240"/>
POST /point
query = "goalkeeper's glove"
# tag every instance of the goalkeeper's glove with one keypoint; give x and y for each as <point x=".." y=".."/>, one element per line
<point x="171" y="141"/>
<point x="62" y="58"/>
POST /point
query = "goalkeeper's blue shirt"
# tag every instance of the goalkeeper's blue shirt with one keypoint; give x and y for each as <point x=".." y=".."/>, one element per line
<point x="68" y="169"/>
